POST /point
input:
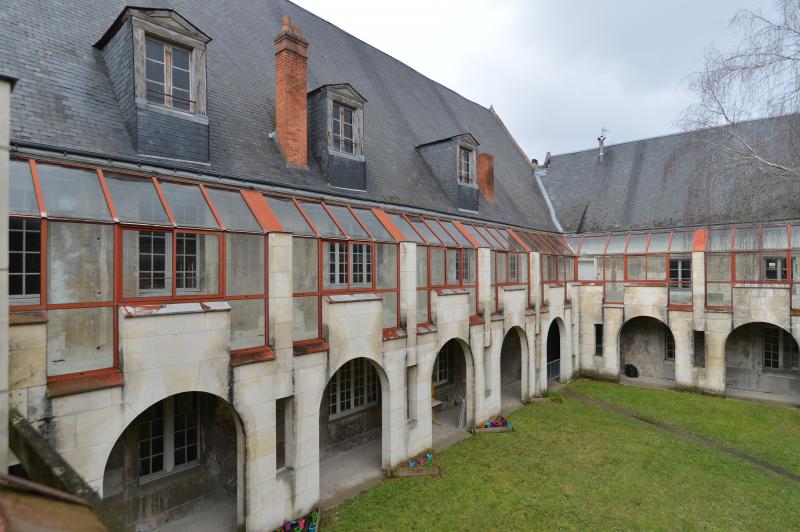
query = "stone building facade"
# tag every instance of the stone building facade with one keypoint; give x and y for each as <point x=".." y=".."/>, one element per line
<point x="329" y="262"/>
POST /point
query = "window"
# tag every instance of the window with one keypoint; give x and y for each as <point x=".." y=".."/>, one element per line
<point x="680" y="280"/>
<point x="774" y="268"/>
<point x="361" y="265"/>
<point x="669" y="346"/>
<point x="168" y="74"/>
<point x="354" y="387"/>
<point x="186" y="261"/>
<point x="598" y="339"/>
<point x="25" y="255"/>
<point x="168" y="435"/>
<point x="780" y="349"/>
<point x="441" y="368"/>
<point x="342" y="129"/>
<point x="337" y="264"/>
<point x="465" y="173"/>
<point x="152" y="260"/>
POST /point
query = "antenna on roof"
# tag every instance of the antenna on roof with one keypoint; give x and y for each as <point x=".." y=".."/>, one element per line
<point x="601" y="140"/>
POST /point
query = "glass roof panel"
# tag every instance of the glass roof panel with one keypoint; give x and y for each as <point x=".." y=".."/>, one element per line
<point x="594" y="245"/>
<point x="321" y="220"/>
<point x="72" y="192"/>
<point x="404" y="228"/>
<point x="776" y="238"/>
<point x="497" y="236"/>
<point x="617" y="244"/>
<point x="21" y="194"/>
<point x="373" y="224"/>
<point x="233" y="210"/>
<point x="681" y="241"/>
<point x="458" y="235"/>
<point x="482" y="242"/>
<point x="719" y="240"/>
<point x="494" y="244"/>
<point x="188" y="206"/>
<point x="422" y="229"/>
<point x="289" y="216"/>
<point x="638" y="243"/>
<point x="658" y="243"/>
<point x="511" y="240"/>
<point x="135" y="200"/>
<point x="574" y="243"/>
<point x="439" y="232"/>
<point x="348" y="222"/>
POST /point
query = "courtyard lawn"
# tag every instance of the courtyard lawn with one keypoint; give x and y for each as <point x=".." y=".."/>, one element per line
<point x="771" y="433"/>
<point x="575" y="466"/>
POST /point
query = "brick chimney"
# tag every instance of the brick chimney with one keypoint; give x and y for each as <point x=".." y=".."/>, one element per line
<point x="291" y="86"/>
<point x="486" y="175"/>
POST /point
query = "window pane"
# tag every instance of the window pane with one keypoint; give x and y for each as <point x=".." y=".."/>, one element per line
<point x="440" y="233"/>
<point x="593" y="245"/>
<point x="146" y="263"/>
<point x="746" y="266"/>
<point x="24" y="261"/>
<point x="422" y="229"/>
<point x="72" y="192"/>
<point x="289" y="216"/>
<point x="81" y="262"/>
<point x="681" y="242"/>
<point x="658" y="243"/>
<point x="422" y="306"/>
<point x="247" y="323"/>
<point x="437" y="266"/>
<point x="588" y="270"/>
<point x="348" y="222"/>
<point x="361" y="265"/>
<point x="456" y="234"/>
<point x="719" y="240"/>
<point x="502" y="268"/>
<point x="304" y="310"/>
<point x="373" y="225"/>
<point x="636" y="268"/>
<point x="613" y="269"/>
<point x="196" y="264"/>
<point x="389" y="309"/>
<point x="404" y="228"/>
<point x="154" y="50"/>
<point x="233" y="210"/>
<point x="180" y="80"/>
<point x="154" y="71"/>
<point x="320" y="219"/>
<point x="334" y="265"/>
<point x="656" y="268"/>
<point x="776" y="238"/>
<point x="469" y="266"/>
<point x="135" y="200"/>
<point x="188" y="206"/>
<point x="22" y="197"/>
<point x="244" y="271"/>
<point x="745" y="238"/>
<point x="422" y="266"/>
<point x="617" y="244"/>
<point x="718" y="268"/>
<point x="180" y="58"/>
<point x="453" y="267"/>
<point x="796" y="236"/>
<point x="386" y="263"/>
<point x="79" y="339"/>
<point x="304" y="265"/>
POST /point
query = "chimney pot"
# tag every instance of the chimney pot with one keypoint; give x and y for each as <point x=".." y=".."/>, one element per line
<point x="291" y="89"/>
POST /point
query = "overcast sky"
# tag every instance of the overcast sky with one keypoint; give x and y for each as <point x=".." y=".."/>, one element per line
<point x="555" y="71"/>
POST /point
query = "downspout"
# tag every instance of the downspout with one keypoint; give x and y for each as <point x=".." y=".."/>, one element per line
<point x="527" y="161"/>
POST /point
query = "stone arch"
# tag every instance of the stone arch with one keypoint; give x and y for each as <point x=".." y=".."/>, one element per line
<point x="427" y="367"/>
<point x="514" y="365"/>
<point x="225" y="448"/>
<point x="647" y="343"/>
<point x="762" y="357"/>
<point x="555" y="348"/>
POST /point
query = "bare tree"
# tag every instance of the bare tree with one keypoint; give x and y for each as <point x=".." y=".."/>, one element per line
<point x="761" y="78"/>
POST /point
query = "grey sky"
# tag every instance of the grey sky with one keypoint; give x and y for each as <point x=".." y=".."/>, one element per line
<point x="555" y="71"/>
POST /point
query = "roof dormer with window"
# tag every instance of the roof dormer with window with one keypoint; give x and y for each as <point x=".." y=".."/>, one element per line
<point x="453" y="161"/>
<point x="336" y="134"/>
<point x="156" y="61"/>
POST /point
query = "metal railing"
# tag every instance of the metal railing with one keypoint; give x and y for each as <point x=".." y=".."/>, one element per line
<point x="554" y="370"/>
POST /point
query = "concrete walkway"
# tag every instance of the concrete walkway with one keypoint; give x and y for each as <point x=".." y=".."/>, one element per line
<point x="446" y="432"/>
<point x="345" y="474"/>
<point x="510" y="397"/>
<point x="210" y="516"/>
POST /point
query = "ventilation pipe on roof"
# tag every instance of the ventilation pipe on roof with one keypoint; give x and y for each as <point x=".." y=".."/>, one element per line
<point x="547" y="158"/>
<point x="600" y="140"/>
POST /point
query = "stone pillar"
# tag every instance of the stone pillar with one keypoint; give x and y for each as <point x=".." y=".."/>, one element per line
<point x="408" y="296"/>
<point x="680" y="323"/>
<point x="717" y="330"/>
<point x="535" y="279"/>
<point x="698" y="290"/>
<point x="612" y="323"/>
<point x="484" y="283"/>
<point x="279" y="253"/>
<point x="6" y="86"/>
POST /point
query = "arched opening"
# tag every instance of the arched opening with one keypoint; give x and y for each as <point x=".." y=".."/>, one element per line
<point x="177" y="466"/>
<point x="511" y="361"/>
<point x="350" y="431"/>
<point x="647" y="350"/>
<point x="450" y="395"/>
<point x="760" y="357"/>
<point x="554" y="352"/>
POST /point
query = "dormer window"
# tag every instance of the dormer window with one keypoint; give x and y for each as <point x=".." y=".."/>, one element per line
<point x="342" y="128"/>
<point x="168" y="74"/>
<point x="465" y="167"/>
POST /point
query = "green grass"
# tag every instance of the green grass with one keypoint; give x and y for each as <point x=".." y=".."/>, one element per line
<point x="771" y="433"/>
<point x="573" y="466"/>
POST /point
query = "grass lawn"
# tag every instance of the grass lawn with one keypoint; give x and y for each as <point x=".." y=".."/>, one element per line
<point x="771" y="433"/>
<point x="572" y="465"/>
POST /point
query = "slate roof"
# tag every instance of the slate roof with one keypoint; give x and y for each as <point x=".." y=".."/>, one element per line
<point x="64" y="98"/>
<point x="685" y="179"/>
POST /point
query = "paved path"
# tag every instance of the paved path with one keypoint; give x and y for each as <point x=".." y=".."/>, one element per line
<point x="682" y="433"/>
